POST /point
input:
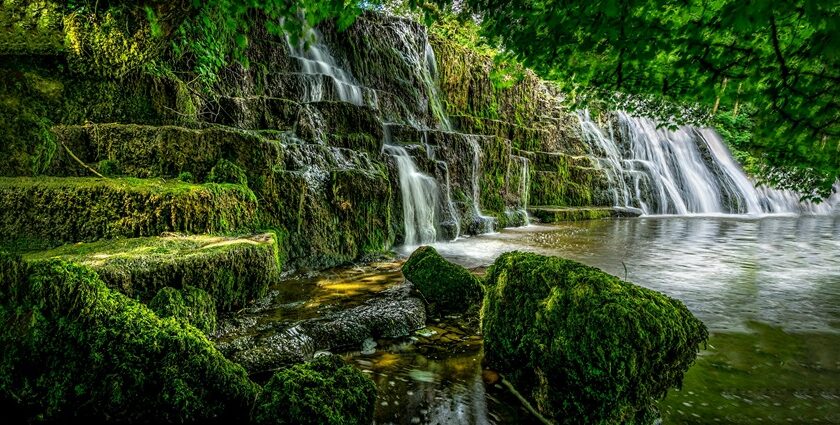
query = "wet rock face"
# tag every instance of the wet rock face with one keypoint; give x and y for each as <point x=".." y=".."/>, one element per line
<point x="448" y="288"/>
<point x="582" y="345"/>
<point x="393" y="313"/>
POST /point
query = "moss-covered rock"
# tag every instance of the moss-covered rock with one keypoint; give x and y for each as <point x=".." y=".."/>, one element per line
<point x="43" y="212"/>
<point x="189" y="304"/>
<point x="74" y="350"/>
<point x="584" y="346"/>
<point x="233" y="271"/>
<point x="448" y="288"/>
<point x="325" y="391"/>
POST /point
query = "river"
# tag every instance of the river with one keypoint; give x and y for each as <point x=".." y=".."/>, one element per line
<point x="767" y="288"/>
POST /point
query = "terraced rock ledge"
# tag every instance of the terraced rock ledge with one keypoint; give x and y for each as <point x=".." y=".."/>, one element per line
<point x="557" y="214"/>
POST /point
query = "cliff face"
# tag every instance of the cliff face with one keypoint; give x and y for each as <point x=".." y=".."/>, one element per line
<point x="307" y="127"/>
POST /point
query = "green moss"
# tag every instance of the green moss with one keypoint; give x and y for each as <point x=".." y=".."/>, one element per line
<point x="190" y="305"/>
<point x="75" y="350"/>
<point x="233" y="271"/>
<point x="554" y="215"/>
<point x="227" y="172"/>
<point x="447" y="287"/>
<point x="580" y="343"/>
<point x="51" y="211"/>
<point x="186" y="177"/>
<point x="323" y="391"/>
<point x="109" y="167"/>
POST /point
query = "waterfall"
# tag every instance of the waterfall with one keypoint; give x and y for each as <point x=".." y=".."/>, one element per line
<point x="683" y="171"/>
<point x="430" y="79"/>
<point x="316" y="64"/>
<point x="484" y="224"/>
<point x="524" y="188"/>
<point x="419" y="198"/>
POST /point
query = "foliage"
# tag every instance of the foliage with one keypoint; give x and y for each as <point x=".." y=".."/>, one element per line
<point x="449" y="288"/>
<point x="74" y="349"/>
<point x="109" y="167"/>
<point x="189" y="304"/>
<point x="583" y="345"/>
<point x="780" y="58"/>
<point x="30" y="27"/>
<point x="186" y="177"/>
<point x="323" y="391"/>
<point x="227" y="172"/>
<point x="216" y="35"/>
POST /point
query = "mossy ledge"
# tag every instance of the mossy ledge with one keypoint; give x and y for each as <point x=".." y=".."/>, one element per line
<point x="233" y="271"/>
<point x="448" y="288"/>
<point x="52" y="211"/>
<point x="582" y="345"/>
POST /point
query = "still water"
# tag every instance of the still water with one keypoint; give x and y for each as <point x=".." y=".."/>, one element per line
<point x="768" y="289"/>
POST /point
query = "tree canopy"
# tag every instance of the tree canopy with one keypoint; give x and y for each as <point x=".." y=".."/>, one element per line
<point x="779" y="59"/>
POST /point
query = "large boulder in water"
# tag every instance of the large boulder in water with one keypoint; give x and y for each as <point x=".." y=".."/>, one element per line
<point x="448" y="288"/>
<point x="584" y="346"/>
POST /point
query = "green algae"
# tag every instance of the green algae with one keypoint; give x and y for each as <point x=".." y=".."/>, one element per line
<point x="580" y="343"/>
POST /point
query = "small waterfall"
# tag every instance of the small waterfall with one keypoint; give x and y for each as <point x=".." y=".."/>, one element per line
<point x="419" y="198"/>
<point x="454" y="217"/>
<point x="317" y="64"/>
<point x="484" y="224"/>
<point x="524" y="188"/>
<point x="683" y="171"/>
<point x="430" y="79"/>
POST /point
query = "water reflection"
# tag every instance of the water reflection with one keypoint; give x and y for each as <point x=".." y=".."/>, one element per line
<point x="781" y="271"/>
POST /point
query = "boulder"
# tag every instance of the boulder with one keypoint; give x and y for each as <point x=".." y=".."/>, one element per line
<point x="447" y="287"/>
<point x="581" y="345"/>
<point x="325" y="391"/>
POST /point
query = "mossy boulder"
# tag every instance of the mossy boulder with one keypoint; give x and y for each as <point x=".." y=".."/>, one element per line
<point x="325" y="391"/>
<point x="234" y="271"/>
<point x="75" y="350"/>
<point x="448" y="288"/>
<point x="189" y="304"/>
<point x="584" y="346"/>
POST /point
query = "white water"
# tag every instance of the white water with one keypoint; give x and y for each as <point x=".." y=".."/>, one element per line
<point x="419" y="199"/>
<point x="485" y="223"/>
<point x="319" y="65"/>
<point x="661" y="171"/>
<point x="524" y="188"/>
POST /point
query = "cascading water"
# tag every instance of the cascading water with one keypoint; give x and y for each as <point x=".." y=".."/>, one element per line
<point x="317" y="64"/>
<point x="524" y="188"/>
<point x="484" y="224"/>
<point x="685" y="171"/>
<point x="419" y="198"/>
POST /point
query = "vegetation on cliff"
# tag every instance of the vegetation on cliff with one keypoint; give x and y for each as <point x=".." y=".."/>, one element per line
<point x="581" y="344"/>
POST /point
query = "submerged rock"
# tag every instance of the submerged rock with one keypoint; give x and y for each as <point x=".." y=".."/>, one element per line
<point x="582" y="345"/>
<point x="324" y="391"/>
<point x="393" y="313"/>
<point x="447" y="287"/>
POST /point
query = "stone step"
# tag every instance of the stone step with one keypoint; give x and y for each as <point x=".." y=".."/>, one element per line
<point x="43" y="212"/>
<point x="549" y="214"/>
<point x="234" y="271"/>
